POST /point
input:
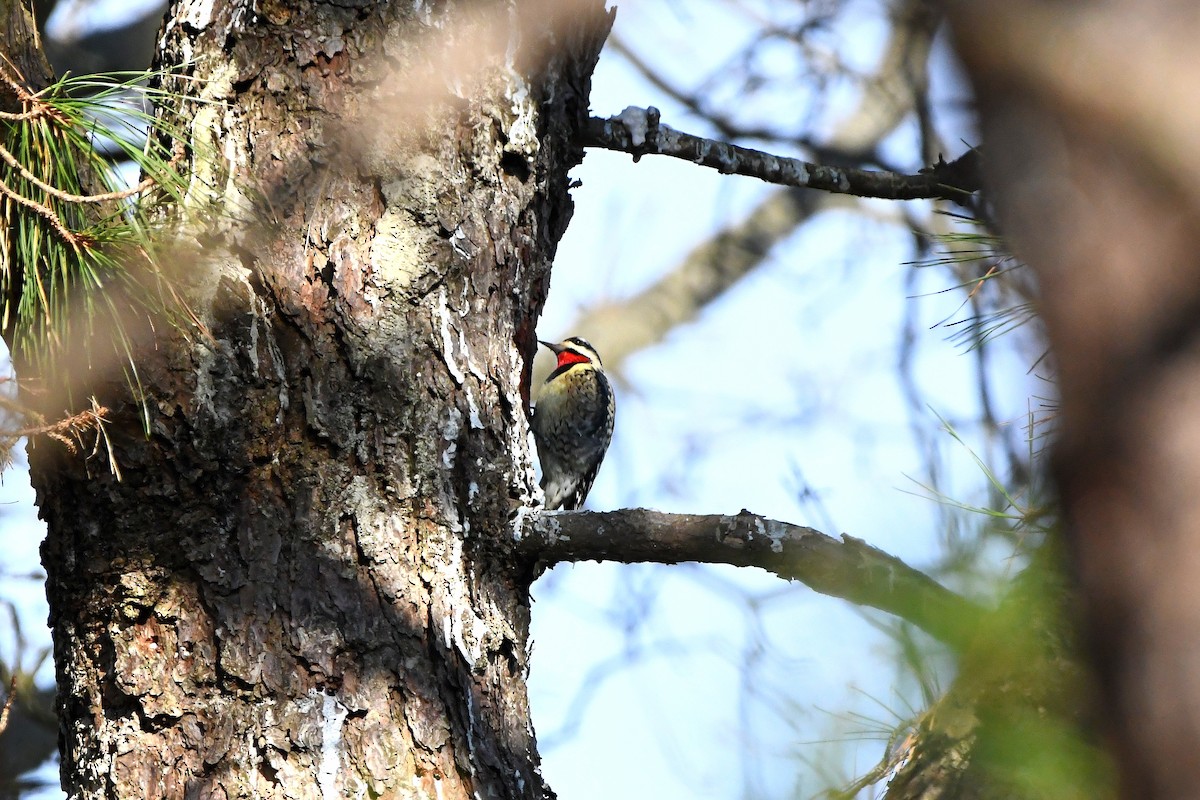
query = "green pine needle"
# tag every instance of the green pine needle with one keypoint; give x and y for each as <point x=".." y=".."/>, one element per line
<point x="77" y="250"/>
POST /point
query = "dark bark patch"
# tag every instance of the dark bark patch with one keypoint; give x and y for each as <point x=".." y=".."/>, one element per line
<point x="516" y="165"/>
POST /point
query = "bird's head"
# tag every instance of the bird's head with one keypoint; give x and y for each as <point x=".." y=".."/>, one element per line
<point x="574" y="350"/>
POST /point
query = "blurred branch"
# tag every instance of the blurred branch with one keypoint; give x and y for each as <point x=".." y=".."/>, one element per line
<point x="725" y="125"/>
<point x="82" y="49"/>
<point x="638" y="131"/>
<point x="623" y="327"/>
<point x="715" y="265"/>
<point x="899" y="84"/>
<point x="29" y="738"/>
<point x="850" y="569"/>
<point x="888" y="95"/>
<point x="1068" y="62"/>
<point x="29" y="727"/>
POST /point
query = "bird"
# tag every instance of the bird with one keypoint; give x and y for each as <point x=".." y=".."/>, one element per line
<point x="572" y="423"/>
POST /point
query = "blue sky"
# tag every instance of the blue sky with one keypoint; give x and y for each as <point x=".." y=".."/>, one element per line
<point x="812" y="334"/>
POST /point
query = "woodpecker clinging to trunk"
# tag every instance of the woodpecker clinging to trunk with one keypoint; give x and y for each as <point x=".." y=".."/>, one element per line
<point x="572" y="423"/>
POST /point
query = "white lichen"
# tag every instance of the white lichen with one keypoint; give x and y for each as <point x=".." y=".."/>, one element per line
<point x="199" y="14"/>
<point x="333" y="717"/>
<point x="552" y="527"/>
<point x="466" y="630"/>
<point x="521" y="476"/>
<point x="636" y="123"/>
<point x="775" y="531"/>
<point x="668" y="139"/>
<point x="472" y="367"/>
<point x="727" y="160"/>
<point x="469" y="636"/>
<point x="519" y="522"/>
<point x="522" y="133"/>
<point x="450" y="434"/>
<point x="797" y="172"/>
<point x="459" y="242"/>
<point x="254" y="309"/>
<point x="476" y="421"/>
<point x="443" y="312"/>
<point x="472" y="721"/>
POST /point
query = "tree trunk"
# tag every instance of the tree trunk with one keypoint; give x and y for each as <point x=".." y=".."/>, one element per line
<point x="303" y="583"/>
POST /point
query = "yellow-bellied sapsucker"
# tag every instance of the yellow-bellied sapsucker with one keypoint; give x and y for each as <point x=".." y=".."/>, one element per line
<point x="573" y="423"/>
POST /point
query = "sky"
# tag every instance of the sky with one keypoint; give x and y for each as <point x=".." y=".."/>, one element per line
<point x="793" y="371"/>
<point x="715" y="682"/>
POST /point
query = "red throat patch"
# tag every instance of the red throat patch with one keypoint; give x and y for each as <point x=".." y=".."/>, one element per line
<point x="570" y="357"/>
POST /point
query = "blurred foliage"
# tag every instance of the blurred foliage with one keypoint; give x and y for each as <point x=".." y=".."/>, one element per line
<point x="1019" y="720"/>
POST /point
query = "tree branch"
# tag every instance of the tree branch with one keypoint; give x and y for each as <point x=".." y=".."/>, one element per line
<point x="624" y="327"/>
<point x="638" y="131"/>
<point x="850" y="569"/>
<point x="725" y="124"/>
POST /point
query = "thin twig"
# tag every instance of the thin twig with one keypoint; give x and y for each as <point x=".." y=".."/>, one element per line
<point x="69" y="430"/>
<point x="79" y="243"/>
<point x="26" y="97"/>
<point x="67" y="197"/>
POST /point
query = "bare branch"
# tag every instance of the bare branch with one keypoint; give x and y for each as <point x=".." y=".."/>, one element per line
<point x="622" y="328"/>
<point x="638" y="131"/>
<point x="897" y="87"/>
<point x="850" y="569"/>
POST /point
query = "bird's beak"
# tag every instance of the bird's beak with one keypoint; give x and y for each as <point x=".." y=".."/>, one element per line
<point x="553" y="347"/>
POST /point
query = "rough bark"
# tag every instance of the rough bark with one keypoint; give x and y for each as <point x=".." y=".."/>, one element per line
<point x="22" y="48"/>
<point x="303" y="584"/>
